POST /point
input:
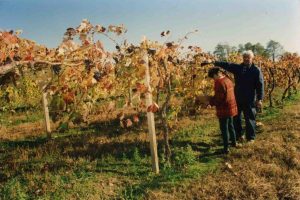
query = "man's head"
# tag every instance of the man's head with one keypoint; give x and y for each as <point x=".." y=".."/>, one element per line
<point x="215" y="73"/>
<point x="248" y="57"/>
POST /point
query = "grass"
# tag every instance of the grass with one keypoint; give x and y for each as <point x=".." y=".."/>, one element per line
<point x="270" y="113"/>
<point x="76" y="162"/>
<point x="267" y="169"/>
<point x="103" y="163"/>
<point x="8" y="119"/>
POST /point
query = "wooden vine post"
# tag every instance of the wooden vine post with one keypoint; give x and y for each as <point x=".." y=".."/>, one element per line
<point x="150" y="115"/>
<point x="46" y="113"/>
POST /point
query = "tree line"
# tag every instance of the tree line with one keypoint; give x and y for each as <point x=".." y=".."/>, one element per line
<point x="273" y="49"/>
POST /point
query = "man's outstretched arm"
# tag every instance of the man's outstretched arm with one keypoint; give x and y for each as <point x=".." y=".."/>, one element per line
<point x="231" y="67"/>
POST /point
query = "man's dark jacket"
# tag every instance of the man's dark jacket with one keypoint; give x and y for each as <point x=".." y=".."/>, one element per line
<point x="249" y="82"/>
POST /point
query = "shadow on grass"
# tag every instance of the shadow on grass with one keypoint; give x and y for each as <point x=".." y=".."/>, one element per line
<point x="84" y="144"/>
<point x="77" y="147"/>
<point x="26" y="143"/>
<point x="109" y="129"/>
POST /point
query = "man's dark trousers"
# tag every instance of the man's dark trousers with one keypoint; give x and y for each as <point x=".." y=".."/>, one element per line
<point x="249" y="112"/>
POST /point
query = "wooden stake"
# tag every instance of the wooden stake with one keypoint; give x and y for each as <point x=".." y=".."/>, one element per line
<point x="150" y="117"/>
<point x="46" y="113"/>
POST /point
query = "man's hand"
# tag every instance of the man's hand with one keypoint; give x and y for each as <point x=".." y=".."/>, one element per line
<point x="259" y="104"/>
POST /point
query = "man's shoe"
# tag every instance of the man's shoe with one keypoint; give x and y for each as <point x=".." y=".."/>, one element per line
<point x="242" y="139"/>
<point x="250" y="141"/>
<point x="237" y="145"/>
<point x="259" y="127"/>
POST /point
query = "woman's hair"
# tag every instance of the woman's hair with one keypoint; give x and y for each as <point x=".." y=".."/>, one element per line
<point x="213" y="71"/>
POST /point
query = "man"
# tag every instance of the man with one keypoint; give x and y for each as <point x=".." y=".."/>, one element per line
<point x="249" y="92"/>
<point x="226" y="107"/>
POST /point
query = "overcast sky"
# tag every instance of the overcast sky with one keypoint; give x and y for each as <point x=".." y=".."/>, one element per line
<point x="225" y="21"/>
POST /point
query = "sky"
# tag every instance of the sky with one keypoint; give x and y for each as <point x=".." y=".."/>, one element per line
<point x="218" y="21"/>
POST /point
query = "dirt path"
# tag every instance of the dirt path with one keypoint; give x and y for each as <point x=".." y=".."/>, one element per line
<point x="267" y="169"/>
